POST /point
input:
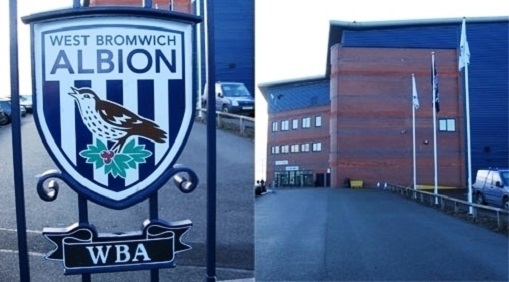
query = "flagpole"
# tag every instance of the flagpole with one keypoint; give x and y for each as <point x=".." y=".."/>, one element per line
<point x="434" y="128"/>
<point x="464" y="60"/>
<point x="469" y="152"/>
<point x="414" y="92"/>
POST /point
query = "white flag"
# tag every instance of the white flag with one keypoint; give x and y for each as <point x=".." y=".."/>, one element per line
<point x="464" y="58"/>
<point x="415" y="98"/>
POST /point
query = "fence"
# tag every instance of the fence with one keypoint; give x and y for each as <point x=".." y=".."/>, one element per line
<point x="240" y="124"/>
<point x="491" y="217"/>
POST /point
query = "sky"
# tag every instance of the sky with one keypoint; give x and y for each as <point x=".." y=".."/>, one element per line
<point x="290" y="38"/>
<point x="25" y="7"/>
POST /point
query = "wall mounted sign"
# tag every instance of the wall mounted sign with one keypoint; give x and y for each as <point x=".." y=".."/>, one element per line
<point x="291" y="168"/>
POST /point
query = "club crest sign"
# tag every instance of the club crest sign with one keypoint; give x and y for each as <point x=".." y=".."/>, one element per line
<point x="113" y="102"/>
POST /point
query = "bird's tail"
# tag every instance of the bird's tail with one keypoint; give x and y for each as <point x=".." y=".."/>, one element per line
<point x="157" y="135"/>
<point x="152" y="132"/>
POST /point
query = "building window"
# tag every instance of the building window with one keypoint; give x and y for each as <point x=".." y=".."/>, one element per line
<point x="274" y="126"/>
<point x="295" y="124"/>
<point x="285" y="125"/>
<point x="318" y="121"/>
<point x="294" y="148"/>
<point x="306" y="122"/>
<point x="285" y="149"/>
<point x="317" y="147"/>
<point x="447" y="124"/>
<point x="275" y="150"/>
<point x="304" y="147"/>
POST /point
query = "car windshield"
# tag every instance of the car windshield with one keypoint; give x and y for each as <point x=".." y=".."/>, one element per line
<point x="235" y="90"/>
<point x="27" y="98"/>
<point x="505" y="176"/>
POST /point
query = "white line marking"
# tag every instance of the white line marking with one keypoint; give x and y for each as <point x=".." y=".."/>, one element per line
<point x="16" y="230"/>
<point x="16" y="252"/>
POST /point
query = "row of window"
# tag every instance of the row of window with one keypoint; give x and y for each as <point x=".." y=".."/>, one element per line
<point x="296" y="148"/>
<point x="445" y="124"/>
<point x="305" y="123"/>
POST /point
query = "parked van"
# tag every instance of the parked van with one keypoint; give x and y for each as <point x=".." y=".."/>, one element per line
<point x="492" y="187"/>
<point x="231" y="97"/>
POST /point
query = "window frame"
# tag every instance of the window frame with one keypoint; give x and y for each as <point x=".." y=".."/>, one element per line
<point x="295" y="124"/>
<point x="285" y="149"/>
<point x="274" y="126"/>
<point x="304" y="147"/>
<point x="447" y="124"/>
<point x="306" y="122"/>
<point x="317" y="147"/>
<point x="285" y="125"/>
<point x="275" y="150"/>
<point x="318" y="118"/>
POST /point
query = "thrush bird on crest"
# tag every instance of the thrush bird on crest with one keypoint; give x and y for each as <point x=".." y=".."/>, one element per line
<point x="112" y="121"/>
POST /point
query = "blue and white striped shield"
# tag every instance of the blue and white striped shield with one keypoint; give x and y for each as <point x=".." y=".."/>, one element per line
<point x="113" y="102"/>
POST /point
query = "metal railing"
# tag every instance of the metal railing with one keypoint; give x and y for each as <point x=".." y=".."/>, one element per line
<point x="243" y="125"/>
<point x="491" y="217"/>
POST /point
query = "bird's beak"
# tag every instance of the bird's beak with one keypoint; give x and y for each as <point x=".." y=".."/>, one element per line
<point x="74" y="93"/>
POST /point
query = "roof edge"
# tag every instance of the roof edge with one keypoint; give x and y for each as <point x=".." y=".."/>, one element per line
<point x="415" y="22"/>
<point x="265" y="85"/>
<point x="291" y="81"/>
<point x="336" y="27"/>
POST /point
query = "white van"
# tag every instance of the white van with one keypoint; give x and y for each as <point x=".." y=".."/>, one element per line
<point x="231" y="97"/>
<point x="492" y="187"/>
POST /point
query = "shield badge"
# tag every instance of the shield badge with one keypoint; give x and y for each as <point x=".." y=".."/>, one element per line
<point x="113" y="102"/>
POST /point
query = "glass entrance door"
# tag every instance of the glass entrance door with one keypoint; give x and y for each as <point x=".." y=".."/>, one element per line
<point x="294" y="178"/>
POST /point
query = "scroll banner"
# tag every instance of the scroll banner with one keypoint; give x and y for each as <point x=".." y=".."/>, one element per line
<point x="83" y="250"/>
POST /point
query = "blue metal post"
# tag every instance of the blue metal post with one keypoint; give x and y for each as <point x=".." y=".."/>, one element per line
<point x="83" y="219"/>
<point x="154" y="214"/>
<point x="24" y="268"/>
<point x="211" y="146"/>
<point x="154" y="199"/>
<point x="82" y="201"/>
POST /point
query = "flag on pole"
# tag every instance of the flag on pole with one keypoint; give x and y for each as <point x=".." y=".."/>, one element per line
<point x="464" y="58"/>
<point x="415" y="98"/>
<point x="434" y="84"/>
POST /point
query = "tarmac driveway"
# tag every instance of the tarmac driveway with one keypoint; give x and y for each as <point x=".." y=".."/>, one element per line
<point x="333" y="234"/>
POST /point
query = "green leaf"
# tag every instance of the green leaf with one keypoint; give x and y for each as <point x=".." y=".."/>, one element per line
<point x="114" y="170"/>
<point x="118" y="165"/>
<point x="100" y="145"/>
<point x="131" y="155"/>
<point x="121" y="160"/>
<point x="93" y="153"/>
<point x="137" y="154"/>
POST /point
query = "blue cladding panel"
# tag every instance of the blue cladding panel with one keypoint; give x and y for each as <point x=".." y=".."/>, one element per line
<point x="488" y="76"/>
<point x="298" y="96"/>
<point x="489" y="94"/>
<point x="411" y="37"/>
<point x="234" y="41"/>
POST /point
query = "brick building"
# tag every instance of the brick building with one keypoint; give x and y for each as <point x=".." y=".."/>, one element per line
<point x="368" y="78"/>
<point x="298" y="132"/>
